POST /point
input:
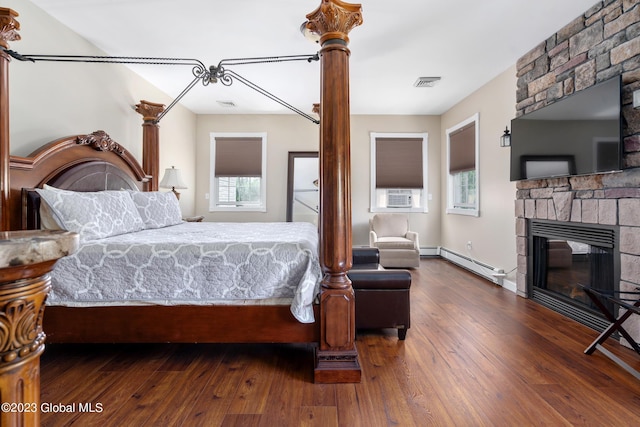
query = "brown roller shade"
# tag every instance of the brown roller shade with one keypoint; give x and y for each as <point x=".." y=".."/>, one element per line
<point x="241" y="156"/>
<point x="399" y="163"/>
<point x="462" y="149"/>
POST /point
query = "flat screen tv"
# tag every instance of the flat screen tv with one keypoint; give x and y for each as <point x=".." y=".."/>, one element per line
<point x="577" y="135"/>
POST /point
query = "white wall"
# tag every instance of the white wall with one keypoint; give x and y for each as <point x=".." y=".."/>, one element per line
<point x="492" y="233"/>
<point x="52" y="100"/>
<point x="293" y="133"/>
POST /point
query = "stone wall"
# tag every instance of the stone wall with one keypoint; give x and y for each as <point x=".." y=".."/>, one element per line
<point x="601" y="44"/>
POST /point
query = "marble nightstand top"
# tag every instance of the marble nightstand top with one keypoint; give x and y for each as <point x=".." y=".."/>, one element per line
<point x="34" y="246"/>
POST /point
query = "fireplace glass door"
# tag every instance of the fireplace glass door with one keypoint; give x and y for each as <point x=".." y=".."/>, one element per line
<point x="565" y="257"/>
<point x="564" y="265"/>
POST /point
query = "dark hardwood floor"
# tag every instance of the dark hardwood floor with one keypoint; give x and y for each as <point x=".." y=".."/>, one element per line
<point x="476" y="355"/>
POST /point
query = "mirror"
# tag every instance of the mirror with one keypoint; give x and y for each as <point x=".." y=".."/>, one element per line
<point x="303" y="195"/>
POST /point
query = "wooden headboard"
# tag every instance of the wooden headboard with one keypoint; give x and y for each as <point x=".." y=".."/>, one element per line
<point x="91" y="162"/>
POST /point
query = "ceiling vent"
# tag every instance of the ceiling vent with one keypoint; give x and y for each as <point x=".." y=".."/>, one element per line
<point x="426" y="81"/>
<point x="226" y="104"/>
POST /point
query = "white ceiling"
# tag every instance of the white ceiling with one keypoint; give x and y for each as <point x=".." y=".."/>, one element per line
<point x="465" y="42"/>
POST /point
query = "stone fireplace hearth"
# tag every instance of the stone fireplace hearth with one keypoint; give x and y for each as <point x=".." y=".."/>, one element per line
<point x="602" y="43"/>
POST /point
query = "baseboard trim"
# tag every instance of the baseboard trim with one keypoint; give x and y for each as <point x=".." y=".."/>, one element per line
<point x="429" y="251"/>
<point x="510" y="285"/>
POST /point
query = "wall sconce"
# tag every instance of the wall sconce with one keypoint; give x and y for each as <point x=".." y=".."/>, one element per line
<point x="172" y="179"/>
<point x="505" y="139"/>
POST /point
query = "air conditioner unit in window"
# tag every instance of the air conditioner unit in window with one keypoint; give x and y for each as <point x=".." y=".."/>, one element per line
<point x="399" y="198"/>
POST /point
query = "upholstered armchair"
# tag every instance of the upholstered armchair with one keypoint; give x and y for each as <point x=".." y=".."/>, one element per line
<point x="398" y="246"/>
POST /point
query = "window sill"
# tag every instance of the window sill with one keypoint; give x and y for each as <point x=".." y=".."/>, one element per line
<point x="467" y="212"/>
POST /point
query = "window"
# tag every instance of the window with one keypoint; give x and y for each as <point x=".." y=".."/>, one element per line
<point x="238" y="172"/>
<point x="399" y="172"/>
<point x="462" y="162"/>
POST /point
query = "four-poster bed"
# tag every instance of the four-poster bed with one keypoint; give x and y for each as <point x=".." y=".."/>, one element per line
<point x="64" y="160"/>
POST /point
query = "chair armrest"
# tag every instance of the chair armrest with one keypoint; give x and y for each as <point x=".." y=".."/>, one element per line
<point x="413" y="236"/>
<point x="373" y="238"/>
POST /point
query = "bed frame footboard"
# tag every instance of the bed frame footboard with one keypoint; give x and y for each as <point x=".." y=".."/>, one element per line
<point x="177" y="324"/>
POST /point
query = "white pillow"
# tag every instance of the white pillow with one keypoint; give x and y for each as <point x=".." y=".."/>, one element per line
<point x="48" y="219"/>
<point x="157" y="209"/>
<point x="93" y="215"/>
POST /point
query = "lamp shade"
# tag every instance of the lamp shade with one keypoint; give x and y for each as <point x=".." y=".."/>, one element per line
<point x="172" y="179"/>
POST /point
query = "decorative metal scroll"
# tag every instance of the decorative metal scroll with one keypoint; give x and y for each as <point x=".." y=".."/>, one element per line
<point x="200" y="72"/>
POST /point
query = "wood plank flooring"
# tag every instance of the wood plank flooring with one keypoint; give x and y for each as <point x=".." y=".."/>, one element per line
<point x="476" y="355"/>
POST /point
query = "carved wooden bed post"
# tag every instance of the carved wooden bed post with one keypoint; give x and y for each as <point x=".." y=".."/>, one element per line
<point x="337" y="356"/>
<point x="150" y="142"/>
<point x="8" y="32"/>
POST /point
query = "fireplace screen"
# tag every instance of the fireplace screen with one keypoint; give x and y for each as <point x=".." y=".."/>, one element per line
<point x="566" y="256"/>
<point x="566" y="264"/>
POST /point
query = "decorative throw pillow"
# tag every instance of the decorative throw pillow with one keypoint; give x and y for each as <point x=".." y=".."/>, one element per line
<point x="93" y="215"/>
<point x="157" y="209"/>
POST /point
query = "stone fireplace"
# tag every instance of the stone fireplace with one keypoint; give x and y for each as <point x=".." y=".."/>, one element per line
<point x="602" y="43"/>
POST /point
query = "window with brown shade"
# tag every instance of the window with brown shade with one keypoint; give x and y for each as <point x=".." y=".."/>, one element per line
<point x="462" y="148"/>
<point x="238" y="171"/>
<point x="462" y="179"/>
<point x="238" y="156"/>
<point x="398" y="172"/>
<point x="399" y="163"/>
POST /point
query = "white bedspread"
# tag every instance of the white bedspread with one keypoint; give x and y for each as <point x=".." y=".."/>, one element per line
<point x="195" y="263"/>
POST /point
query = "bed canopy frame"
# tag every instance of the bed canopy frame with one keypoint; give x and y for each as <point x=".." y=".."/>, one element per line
<point x="336" y="357"/>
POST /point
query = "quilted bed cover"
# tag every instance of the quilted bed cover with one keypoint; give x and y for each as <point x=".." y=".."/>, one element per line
<point x="195" y="263"/>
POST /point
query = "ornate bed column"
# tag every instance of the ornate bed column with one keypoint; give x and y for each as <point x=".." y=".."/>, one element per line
<point x="8" y="32"/>
<point x="337" y="356"/>
<point x="26" y="259"/>
<point x="150" y="141"/>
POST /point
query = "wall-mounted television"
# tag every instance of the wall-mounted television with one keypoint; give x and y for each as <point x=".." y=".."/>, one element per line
<point x="577" y="135"/>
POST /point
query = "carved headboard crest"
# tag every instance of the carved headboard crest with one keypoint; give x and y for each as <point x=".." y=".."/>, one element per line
<point x="101" y="142"/>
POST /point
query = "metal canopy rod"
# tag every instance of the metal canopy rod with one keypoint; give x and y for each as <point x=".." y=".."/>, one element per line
<point x="229" y="75"/>
<point x="269" y="59"/>
<point x="199" y="70"/>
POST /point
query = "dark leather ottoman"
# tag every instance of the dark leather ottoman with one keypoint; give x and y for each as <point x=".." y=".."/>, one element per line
<point x="382" y="296"/>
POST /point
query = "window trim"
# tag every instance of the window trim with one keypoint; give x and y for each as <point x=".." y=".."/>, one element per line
<point x="213" y="182"/>
<point x="475" y="211"/>
<point x="425" y="196"/>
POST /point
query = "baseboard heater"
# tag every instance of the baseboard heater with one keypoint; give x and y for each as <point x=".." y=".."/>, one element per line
<point x="479" y="268"/>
